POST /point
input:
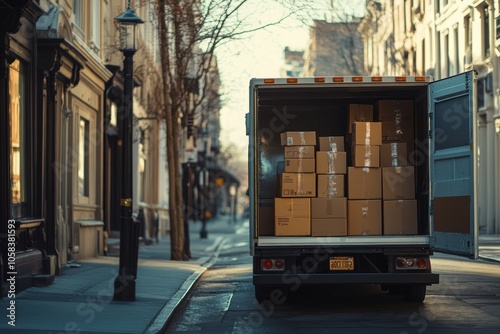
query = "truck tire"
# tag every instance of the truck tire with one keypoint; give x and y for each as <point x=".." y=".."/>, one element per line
<point x="416" y="293"/>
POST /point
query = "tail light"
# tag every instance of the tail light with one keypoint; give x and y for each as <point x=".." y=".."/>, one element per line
<point x="405" y="263"/>
<point x="272" y="264"/>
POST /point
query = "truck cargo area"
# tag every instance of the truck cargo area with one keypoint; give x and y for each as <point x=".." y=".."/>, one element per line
<point x="338" y="219"/>
<point x="325" y="110"/>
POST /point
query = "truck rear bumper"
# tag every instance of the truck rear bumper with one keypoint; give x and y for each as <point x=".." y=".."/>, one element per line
<point x="346" y="278"/>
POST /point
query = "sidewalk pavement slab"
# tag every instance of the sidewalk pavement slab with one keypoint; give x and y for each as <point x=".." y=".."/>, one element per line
<point x="81" y="299"/>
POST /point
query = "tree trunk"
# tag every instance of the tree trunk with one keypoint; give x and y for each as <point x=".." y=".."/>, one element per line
<point x="175" y="212"/>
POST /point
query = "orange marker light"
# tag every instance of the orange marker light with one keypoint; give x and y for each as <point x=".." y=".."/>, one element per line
<point x="292" y="80"/>
<point x="401" y="79"/>
<point x="376" y="78"/>
<point x="269" y="81"/>
<point x="357" y="79"/>
<point x="319" y="79"/>
<point x="338" y="79"/>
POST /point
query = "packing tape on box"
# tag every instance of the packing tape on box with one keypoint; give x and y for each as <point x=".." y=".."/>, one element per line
<point x="368" y="134"/>
<point x="332" y="186"/>
<point x="299" y="183"/>
<point x="368" y="156"/>
<point x="398" y="117"/>
<point x="301" y="150"/>
<point x="302" y="138"/>
<point x="332" y="144"/>
<point x="331" y="161"/>
<point x="299" y="165"/>
<point x="394" y="154"/>
<point x="364" y="211"/>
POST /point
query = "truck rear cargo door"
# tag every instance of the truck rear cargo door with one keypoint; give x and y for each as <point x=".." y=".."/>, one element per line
<point x="452" y="158"/>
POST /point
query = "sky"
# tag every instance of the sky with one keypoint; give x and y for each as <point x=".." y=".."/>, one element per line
<point x="261" y="54"/>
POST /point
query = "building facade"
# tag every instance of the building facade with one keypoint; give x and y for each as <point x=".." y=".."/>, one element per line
<point x="441" y="38"/>
<point x="61" y="107"/>
<point x="335" y="48"/>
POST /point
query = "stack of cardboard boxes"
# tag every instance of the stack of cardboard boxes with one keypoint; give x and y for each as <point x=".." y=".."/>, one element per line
<point x="380" y="181"/>
<point x="364" y="180"/>
<point x="329" y="208"/>
<point x="398" y="176"/>
<point x="296" y="185"/>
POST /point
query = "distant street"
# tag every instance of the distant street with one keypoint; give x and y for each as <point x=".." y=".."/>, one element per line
<point x="466" y="301"/>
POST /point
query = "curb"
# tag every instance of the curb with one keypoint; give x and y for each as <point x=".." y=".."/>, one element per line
<point x="489" y="258"/>
<point x="163" y="317"/>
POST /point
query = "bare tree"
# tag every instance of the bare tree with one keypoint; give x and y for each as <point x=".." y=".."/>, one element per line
<point x="189" y="31"/>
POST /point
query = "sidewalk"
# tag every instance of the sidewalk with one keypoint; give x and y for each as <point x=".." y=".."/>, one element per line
<point x="81" y="300"/>
<point x="489" y="247"/>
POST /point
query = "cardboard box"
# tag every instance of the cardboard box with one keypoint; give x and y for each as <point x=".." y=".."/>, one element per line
<point x="329" y="207"/>
<point x="400" y="217"/>
<point x="393" y="155"/>
<point x="333" y="143"/>
<point x="298" y="138"/>
<point x="328" y="227"/>
<point x="331" y="162"/>
<point x="397" y="120"/>
<point x="297" y="185"/>
<point x="292" y="216"/>
<point x="398" y="182"/>
<point x="364" y="183"/>
<point x="364" y="217"/>
<point x="359" y="113"/>
<point x="366" y="156"/>
<point x="300" y="165"/>
<point x="300" y="152"/>
<point x="367" y="133"/>
<point x="331" y="185"/>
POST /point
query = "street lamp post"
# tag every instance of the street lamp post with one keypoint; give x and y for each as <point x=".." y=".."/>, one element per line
<point x="129" y="229"/>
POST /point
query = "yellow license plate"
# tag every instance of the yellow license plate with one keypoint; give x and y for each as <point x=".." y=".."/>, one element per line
<point x="342" y="263"/>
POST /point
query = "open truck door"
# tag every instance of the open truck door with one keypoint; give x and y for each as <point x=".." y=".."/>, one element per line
<point x="453" y="161"/>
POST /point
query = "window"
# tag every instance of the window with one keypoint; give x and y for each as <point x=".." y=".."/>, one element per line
<point x="456" y="48"/>
<point x="480" y="93"/>
<point x="447" y="64"/>
<point x="113" y="118"/>
<point x="83" y="157"/>
<point x="96" y="22"/>
<point x="78" y="13"/>
<point x="486" y="31"/>
<point x="18" y="147"/>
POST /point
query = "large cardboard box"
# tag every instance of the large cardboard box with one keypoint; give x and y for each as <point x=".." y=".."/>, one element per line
<point x="398" y="182"/>
<point x="328" y="207"/>
<point x="292" y="216"/>
<point x="332" y="143"/>
<point x="397" y="120"/>
<point x="359" y="113"/>
<point x="331" y="185"/>
<point x="297" y="185"/>
<point x="367" y="133"/>
<point x="331" y="162"/>
<point x="298" y="138"/>
<point x="328" y="227"/>
<point x="393" y="155"/>
<point x="364" y="183"/>
<point x="400" y="217"/>
<point x="366" y="156"/>
<point x="300" y="165"/>
<point x="300" y="152"/>
<point x="364" y="217"/>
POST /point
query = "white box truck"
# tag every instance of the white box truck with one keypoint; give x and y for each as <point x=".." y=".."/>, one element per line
<point x="442" y="150"/>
